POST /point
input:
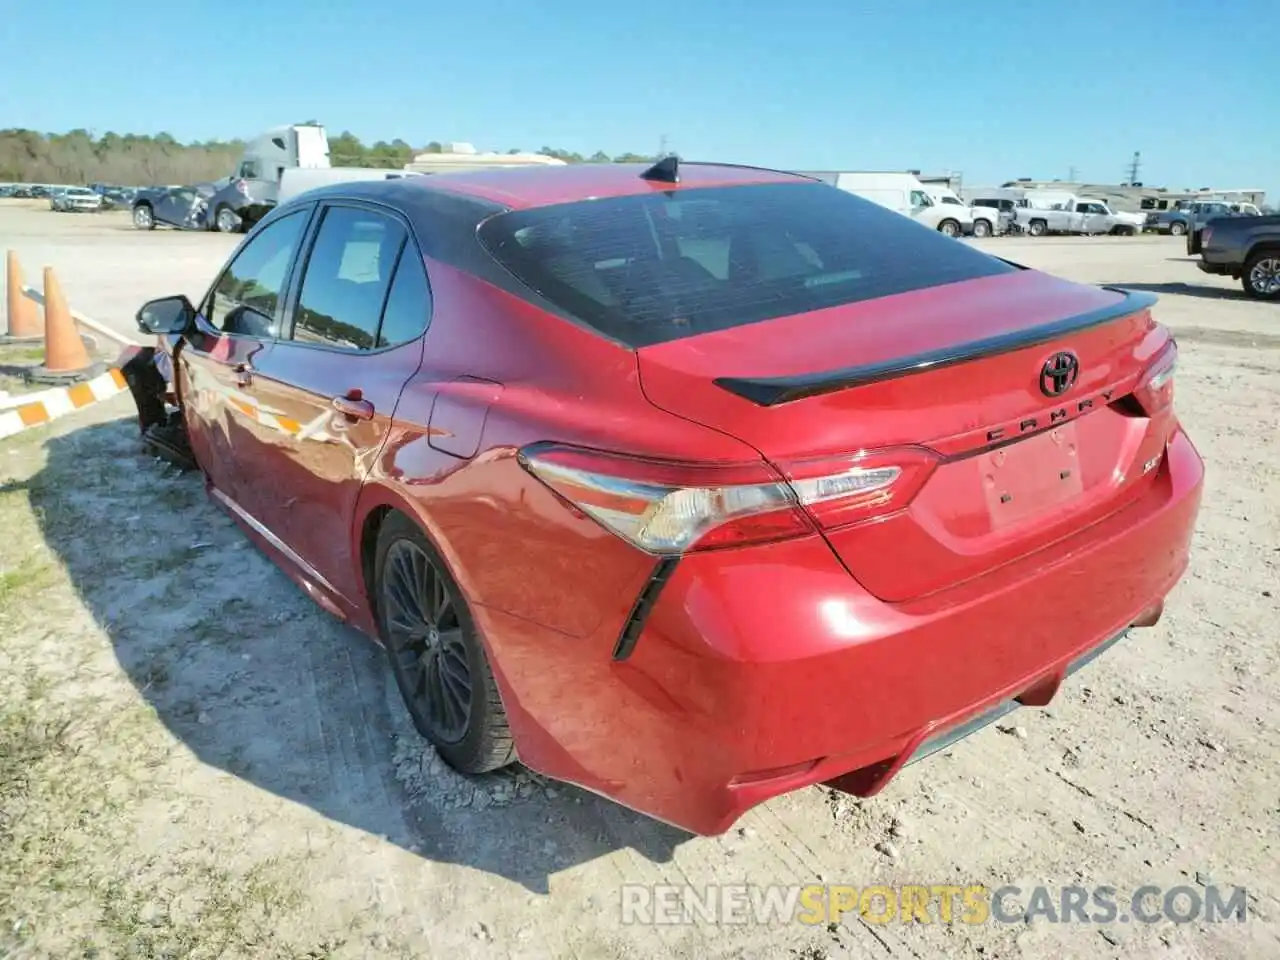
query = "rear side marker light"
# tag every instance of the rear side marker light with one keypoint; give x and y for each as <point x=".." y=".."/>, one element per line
<point x="668" y="507"/>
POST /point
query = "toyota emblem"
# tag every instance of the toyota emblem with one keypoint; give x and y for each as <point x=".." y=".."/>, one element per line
<point x="1059" y="373"/>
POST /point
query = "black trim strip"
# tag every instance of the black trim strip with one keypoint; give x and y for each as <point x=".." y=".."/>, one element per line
<point x="772" y="391"/>
<point x="643" y="606"/>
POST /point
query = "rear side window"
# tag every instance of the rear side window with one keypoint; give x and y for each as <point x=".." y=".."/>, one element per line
<point x="348" y="275"/>
<point x="659" y="266"/>
<point x="408" y="303"/>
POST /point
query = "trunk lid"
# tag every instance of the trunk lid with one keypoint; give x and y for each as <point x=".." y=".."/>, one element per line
<point x="955" y="369"/>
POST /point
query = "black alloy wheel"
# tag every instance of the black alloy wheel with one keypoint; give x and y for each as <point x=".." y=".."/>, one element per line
<point x="435" y="653"/>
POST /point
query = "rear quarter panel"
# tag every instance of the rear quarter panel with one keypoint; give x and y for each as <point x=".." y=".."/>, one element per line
<point x="510" y="542"/>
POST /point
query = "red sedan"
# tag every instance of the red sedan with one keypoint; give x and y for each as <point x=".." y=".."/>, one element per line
<point x="693" y="484"/>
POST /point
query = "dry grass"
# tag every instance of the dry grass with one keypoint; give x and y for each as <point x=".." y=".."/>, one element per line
<point x="82" y="755"/>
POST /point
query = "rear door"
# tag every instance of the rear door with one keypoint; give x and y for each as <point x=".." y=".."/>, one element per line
<point x="237" y="325"/>
<point x="353" y="338"/>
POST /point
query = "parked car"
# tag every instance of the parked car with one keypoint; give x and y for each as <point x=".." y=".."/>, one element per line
<point x="115" y="197"/>
<point x="75" y="199"/>
<point x="1246" y="249"/>
<point x="983" y="222"/>
<point x="183" y="207"/>
<point x="1097" y="215"/>
<point x="807" y="550"/>
<point x="1001" y="209"/>
<point x="1075" y="215"/>
<point x="1173" y="222"/>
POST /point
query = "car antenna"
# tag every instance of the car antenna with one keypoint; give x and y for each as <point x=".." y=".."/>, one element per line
<point x="666" y="170"/>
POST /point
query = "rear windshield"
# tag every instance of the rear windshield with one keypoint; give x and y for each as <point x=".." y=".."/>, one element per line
<point x="664" y="265"/>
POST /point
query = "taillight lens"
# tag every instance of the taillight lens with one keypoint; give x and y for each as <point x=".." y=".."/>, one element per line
<point x="668" y="507"/>
<point x="839" y="491"/>
<point x="1155" y="392"/>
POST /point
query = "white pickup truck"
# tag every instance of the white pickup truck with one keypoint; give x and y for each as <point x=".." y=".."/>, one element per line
<point x="1067" y="213"/>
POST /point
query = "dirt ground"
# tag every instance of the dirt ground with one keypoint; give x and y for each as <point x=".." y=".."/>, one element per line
<point x="195" y="761"/>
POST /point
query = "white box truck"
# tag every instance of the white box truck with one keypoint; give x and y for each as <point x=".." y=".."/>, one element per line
<point x="904" y="193"/>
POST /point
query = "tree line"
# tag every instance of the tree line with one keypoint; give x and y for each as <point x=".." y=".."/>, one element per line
<point x="78" y="157"/>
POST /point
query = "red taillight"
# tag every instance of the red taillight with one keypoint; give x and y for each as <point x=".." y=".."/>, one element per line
<point x="1154" y="393"/>
<point x="1205" y="234"/>
<point x="668" y="507"/>
<point x="839" y="491"/>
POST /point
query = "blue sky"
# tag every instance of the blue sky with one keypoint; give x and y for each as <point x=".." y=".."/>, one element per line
<point x="993" y="89"/>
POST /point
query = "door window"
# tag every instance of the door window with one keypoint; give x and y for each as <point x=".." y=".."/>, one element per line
<point x="409" y="302"/>
<point x="347" y="278"/>
<point x="246" y="298"/>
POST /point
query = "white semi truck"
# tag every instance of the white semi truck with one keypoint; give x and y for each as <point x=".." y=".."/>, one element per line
<point x="285" y="161"/>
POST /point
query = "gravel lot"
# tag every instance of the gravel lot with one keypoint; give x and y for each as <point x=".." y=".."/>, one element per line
<point x="196" y="761"/>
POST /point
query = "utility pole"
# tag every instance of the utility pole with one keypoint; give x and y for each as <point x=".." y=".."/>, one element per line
<point x="1135" y="165"/>
<point x="1071" y="174"/>
<point x="662" y="146"/>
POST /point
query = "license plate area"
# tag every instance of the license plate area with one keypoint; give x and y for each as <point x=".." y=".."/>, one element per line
<point x="1034" y="475"/>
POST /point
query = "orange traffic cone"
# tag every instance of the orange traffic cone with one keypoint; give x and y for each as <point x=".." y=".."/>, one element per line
<point x="65" y="358"/>
<point x="24" y="322"/>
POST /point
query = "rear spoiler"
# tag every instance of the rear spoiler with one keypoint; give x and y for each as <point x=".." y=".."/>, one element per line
<point x="773" y="391"/>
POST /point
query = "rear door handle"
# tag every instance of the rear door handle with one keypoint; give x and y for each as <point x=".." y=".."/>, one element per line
<point x="355" y="408"/>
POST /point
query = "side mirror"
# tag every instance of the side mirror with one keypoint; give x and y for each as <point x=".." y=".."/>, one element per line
<point x="167" y="315"/>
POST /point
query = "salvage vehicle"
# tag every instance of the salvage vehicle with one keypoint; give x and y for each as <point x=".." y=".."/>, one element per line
<point x="692" y="484"/>
<point x="1246" y="248"/>
<point x="182" y="207"/>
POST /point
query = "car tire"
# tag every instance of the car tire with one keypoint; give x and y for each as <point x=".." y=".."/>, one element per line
<point x="981" y="228"/>
<point x="431" y="640"/>
<point x="1261" y="276"/>
<point x="1037" y="228"/>
<point x="949" y="228"/>
<point x="144" y="217"/>
<point x="226" y="220"/>
<point x="1177" y="229"/>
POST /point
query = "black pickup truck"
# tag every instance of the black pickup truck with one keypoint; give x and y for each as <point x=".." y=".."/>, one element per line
<point x="1246" y="248"/>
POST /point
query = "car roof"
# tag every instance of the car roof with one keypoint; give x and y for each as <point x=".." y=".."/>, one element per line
<point x="535" y="186"/>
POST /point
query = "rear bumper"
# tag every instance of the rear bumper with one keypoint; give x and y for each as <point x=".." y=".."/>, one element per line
<point x="763" y="671"/>
<point x="1206" y="265"/>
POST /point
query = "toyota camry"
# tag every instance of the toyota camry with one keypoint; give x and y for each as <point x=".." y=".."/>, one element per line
<point x="692" y="484"/>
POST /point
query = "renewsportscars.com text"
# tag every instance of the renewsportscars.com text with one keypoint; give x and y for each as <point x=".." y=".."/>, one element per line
<point x="930" y="903"/>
